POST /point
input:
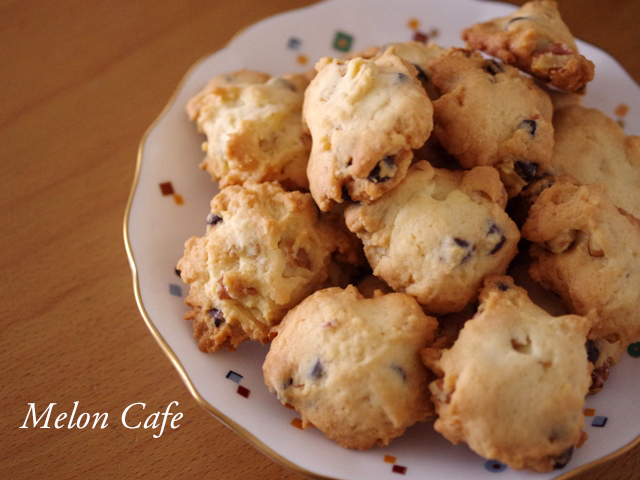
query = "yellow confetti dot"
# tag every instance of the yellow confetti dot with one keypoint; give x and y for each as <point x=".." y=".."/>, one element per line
<point x="621" y="110"/>
<point x="178" y="199"/>
<point x="297" y="422"/>
<point x="302" y="59"/>
<point x="389" y="459"/>
<point x="589" y="412"/>
<point x="414" y="24"/>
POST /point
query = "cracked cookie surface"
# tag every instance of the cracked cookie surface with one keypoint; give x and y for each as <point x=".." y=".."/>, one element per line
<point x="365" y="117"/>
<point x="437" y="234"/>
<point x="513" y="384"/>
<point x="489" y="114"/>
<point x="264" y="251"/>
<point x="253" y="125"/>
<point x="536" y="40"/>
<point x="351" y="365"/>
<point x="588" y="251"/>
<point x="593" y="148"/>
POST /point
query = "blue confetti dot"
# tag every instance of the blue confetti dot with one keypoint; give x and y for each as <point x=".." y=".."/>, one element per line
<point x="495" y="466"/>
<point x="175" y="290"/>
<point x="294" y="43"/>
<point x="233" y="376"/>
<point x="599" y="421"/>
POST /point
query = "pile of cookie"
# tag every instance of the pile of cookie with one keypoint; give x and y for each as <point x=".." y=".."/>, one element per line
<point x="373" y="212"/>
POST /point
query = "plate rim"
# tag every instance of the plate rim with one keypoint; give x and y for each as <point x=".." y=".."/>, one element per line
<point x="168" y="351"/>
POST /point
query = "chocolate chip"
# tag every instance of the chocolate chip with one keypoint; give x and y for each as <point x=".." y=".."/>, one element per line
<point x="380" y="171"/>
<point x="561" y="460"/>
<point x="213" y="219"/>
<point x="374" y="176"/>
<point x="421" y="75"/>
<point x="218" y="317"/>
<point x="286" y="83"/>
<point x="400" y="371"/>
<point x="515" y="19"/>
<point x="492" y="67"/>
<point x="455" y="250"/>
<point x="498" y="245"/>
<point x="317" y="372"/>
<point x="461" y="243"/>
<point x="178" y="272"/>
<point x="464" y="244"/>
<point x="287" y="383"/>
<point x="503" y="287"/>
<point x="493" y="231"/>
<point x="530" y="126"/>
<point x="526" y="170"/>
<point x="345" y="194"/>
<point x="593" y="352"/>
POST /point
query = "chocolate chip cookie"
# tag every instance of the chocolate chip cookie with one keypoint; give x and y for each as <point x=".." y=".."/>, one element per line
<point x="351" y="365"/>
<point x="365" y="117"/>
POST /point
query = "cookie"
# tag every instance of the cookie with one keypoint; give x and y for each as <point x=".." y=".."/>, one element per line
<point x="370" y="284"/>
<point x="253" y="125"/>
<point x="592" y="147"/>
<point x="416" y="53"/>
<point x="351" y="365"/>
<point x="365" y="117"/>
<point x="419" y="55"/>
<point x="536" y="40"/>
<point x="513" y="385"/>
<point x="438" y="234"/>
<point x="489" y="114"/>
<point x="603" y="354"/>
<point x="264" y="251"/>
<point x="588" y="251"/>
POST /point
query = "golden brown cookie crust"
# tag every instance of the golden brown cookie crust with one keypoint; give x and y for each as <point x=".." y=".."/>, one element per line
<point x="351" y="365"/>
<point x="513" y="385"/>
<point x="265" y="250"/>
<point x="588" y="251"/>
<point x="593" y="148"/>
<point x="365" y="117"/>
<point x="253" y="125"/>
<point x="489" y="114"/>
<point x="437" y="234"/>
<point x="536" y="40"/>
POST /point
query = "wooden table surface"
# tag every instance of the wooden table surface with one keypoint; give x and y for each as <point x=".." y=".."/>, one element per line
<point x="79" y="84"/>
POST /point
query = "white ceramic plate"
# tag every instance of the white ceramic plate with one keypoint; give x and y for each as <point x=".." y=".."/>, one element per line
<point x="170" y="201"/>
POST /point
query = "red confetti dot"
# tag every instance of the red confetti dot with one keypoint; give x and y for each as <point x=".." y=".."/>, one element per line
<point x="243" y="391"/>
<point x="166" y="188"/>
<point x="399" y="469"/>
<point x="420" y="37"/>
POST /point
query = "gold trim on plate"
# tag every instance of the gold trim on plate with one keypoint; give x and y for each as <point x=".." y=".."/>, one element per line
<point x="245" y="434"/>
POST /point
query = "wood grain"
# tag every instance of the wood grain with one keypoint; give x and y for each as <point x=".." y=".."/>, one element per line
<point x="80" y="82"/>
